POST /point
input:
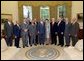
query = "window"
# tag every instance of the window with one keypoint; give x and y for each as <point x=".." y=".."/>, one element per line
<point x="61" y="10"/>
<point x="27" y="12"/>
<point x="44" y="12"/>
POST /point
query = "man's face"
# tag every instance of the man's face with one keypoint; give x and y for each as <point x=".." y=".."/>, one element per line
<point x="60" y="18"/>
<point x="53" y="19"/>
<point x="17" y="22"/>
<point x="9" y="19"/>
<point x="35" y="19"/>
<point x="66" y="19"/>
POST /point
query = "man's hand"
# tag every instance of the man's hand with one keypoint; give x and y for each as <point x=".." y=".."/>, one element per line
<point x="76" y="35"/>
<point x="25" y="30"/>
<point x="38" y="31"/>
<point x="6" y="36"/>
<point x="15" y="36"/>
<point x="55" y="32"/>
<point x="62" y="33"/>
<point x="30" y="34"/>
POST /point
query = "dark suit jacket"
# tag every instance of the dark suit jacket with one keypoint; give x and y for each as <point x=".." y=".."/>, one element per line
<point x="17" y="31"/>
<point x="67" y="29"/>
<point x="41" y="28"/>
<point x="61" y="27"/>
<point x="53" y="28"/>
<point x="8" y="29"/>
<point x="36" y="28"/>
<point x="74" y="28"/>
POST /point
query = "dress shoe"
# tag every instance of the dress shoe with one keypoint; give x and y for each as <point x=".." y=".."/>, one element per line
<point x="61" y="45"/>
<point x="27" y="46"/>
<point x="58" y="44"/>
<point x="51" y="43"/>
<point x="23" y="47"/>
<point x="47" y="44"/>
<point x="18" y="47"/>
<point x="35" y="44"/>
<point x="55" y="44"/>
<point x="30" y="45"/>
<point x="67" y="45"/>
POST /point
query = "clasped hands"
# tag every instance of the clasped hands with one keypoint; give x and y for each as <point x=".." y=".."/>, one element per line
<point x="25" y="30"/>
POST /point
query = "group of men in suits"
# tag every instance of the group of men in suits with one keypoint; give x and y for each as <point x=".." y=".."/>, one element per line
<point x="57" y="29"/>
<point x="36" y="32"/>
<point x="64" y="28"/>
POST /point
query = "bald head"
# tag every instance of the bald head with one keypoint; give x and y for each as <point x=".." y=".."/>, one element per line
<point x="17" y="22"/>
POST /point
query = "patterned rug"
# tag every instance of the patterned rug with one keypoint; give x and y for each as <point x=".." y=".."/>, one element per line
<point x="42" y="53"/>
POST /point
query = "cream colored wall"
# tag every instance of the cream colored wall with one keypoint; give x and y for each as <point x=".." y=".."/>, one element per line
<point x="77" y="7"/>
<point x="10" y="7"/>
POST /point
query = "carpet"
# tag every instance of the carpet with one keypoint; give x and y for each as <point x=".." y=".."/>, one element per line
<point x="42" y="53"/>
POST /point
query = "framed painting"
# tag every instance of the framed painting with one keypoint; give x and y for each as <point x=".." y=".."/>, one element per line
<point x="4" y="17"/>
<point x="80" y="19"/>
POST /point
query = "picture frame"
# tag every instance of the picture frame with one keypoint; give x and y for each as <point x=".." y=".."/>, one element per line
<point x="4" y="17"/>
<point x="80" y="16"/>
<point x="80" y="20"/>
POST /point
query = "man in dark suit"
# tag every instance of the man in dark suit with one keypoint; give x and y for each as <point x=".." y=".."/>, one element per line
<point x="36" y="24"/>
<point x="61" y="28"/>
<point x="41" y="32"/>
<point x="8" y="27"/>
<point x="74" y="28"/>
<point x="17" y="33"/>
<point x="53" y="31"/>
